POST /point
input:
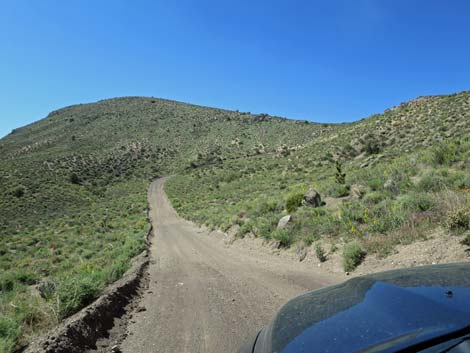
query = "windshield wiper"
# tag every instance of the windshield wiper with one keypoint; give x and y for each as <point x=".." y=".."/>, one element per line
<point x="448" y="349"/>
<point x="437" y="340"/>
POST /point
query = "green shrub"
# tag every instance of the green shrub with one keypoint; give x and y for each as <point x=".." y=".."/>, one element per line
<point x="443" y="154"/>
<point x="372" y="145"/>
<point x="10" y="330"/>
<point x="353" y="254"/>
<point x="355" y="211"/>
<point x="373" y="198"/>
<point x="264" y="227"/>
<point x="19" y="191"/>
<point x="459" y="220"/>
<point x="320" y="253"/>
<point x="387" y="215"/>
<point x="339" y="190"/>
<point x="462" y="181"/>
<point x="432" y="181"/>
<point x="245" y="228"/>
<point x="75" y="292"/>
<point x="283" y="236"/>
<point x="268" y="206"/>
<point x="7" y="282"/>
<point x="375" y="183"/>
<point x="9" y="279"/>
<point x="310" y="238"/>
<point x="340" y="176"/>
<point x="294" y="201"/>
<point x="466" y="239"/>
<point x="418" y="202"/>
<point x="327" y="225"/>
<point x="47" y="289"/>
<point x="75" y="179"/>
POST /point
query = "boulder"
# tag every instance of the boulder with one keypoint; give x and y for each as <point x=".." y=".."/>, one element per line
<point x="356" y="192"/>
<point x="313" y="198"/>
<point x="275" y="244"/>
<point x="250" y="235"/>
<point x="284" y="221"/>
<point x="391" y="185"/>
<point x="301" y="253"/>
<point x="232" y="234"/>
<point x="233" y="230"/>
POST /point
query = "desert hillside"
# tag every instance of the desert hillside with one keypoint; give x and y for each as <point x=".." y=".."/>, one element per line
<point x="73" y="208"/>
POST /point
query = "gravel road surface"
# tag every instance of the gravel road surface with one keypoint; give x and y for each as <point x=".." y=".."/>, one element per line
<point x="204" y="295"/>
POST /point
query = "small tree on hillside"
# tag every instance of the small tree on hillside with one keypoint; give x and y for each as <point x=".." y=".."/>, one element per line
<point x="339" y="175"/>
<point x="74" y="179"/>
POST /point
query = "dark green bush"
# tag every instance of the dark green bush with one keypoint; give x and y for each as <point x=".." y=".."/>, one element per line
<point x="459" y="220"/>
<point x="8" y="279"/>
<point x="340" y="176"/>
<point x="375" y="183"/>
<point x="355" y="211"/>
<point x="418" y="202"/>
<point x="320" y="253"/>
<point x="387" y="215"/>
<point x="339" y="190"/>
<point x="245" y="228"/>
<point x="466" y="240"/>
<point x="75" y="179"/>
<point x="10" y="330"/>
<point x="372" y="145"/>
<point x="432" y="181"/>
<point x="443" y="154"/>
<point x="372" y="198"/>
<point x="353" y="254"/>
<point x="47" y="289"/>
<point x="283" y="236"/>
<point x="18" y="191"/>
<point x="7" y="282"/>
<point x="268" y="206"/>
<point x="294" y="201"/>
<point x="325" y="225"/>
<point x="462" y="181"/>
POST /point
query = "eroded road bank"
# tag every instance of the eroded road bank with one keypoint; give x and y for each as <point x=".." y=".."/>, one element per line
<point x="204" y="296"/>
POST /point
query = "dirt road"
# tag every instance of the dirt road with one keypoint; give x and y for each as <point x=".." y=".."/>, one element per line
<point x="203" y="295"/>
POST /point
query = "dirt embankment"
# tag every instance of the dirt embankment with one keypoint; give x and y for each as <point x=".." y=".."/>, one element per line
<point x="82" y="330"/>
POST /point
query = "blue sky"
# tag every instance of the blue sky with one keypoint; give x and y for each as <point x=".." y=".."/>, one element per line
<point x="326" y="61"/>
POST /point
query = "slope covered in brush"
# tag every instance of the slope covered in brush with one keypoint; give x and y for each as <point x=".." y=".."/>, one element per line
<point x="73" y="189"/>
<point x="389" y="179"/>
<point x="73" y="193"/>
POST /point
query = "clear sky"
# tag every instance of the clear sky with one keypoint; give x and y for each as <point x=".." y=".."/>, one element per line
<point x="326" y="61"/>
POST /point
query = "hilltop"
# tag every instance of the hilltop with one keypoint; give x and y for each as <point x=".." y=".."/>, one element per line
<point x="73" y="189"/>
<point x="73" y="193"/>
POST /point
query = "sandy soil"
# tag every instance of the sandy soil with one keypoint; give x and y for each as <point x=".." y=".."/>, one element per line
<point x="439" y="248"/>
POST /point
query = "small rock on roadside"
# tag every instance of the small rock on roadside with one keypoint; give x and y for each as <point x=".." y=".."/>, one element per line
<point x="275" y="244"/>
<point x="115" y="349"/>
<point x="284" y="221"/>
<point x="301" y="254"/>
<point x="141" y="309"/>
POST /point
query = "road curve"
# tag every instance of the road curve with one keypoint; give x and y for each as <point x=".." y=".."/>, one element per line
<point x="204" y="296"/>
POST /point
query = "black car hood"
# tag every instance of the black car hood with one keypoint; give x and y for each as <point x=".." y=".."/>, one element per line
<point x="381" y="312"/>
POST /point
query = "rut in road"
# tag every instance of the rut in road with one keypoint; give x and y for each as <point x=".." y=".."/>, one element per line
<point x="204" y="296"/>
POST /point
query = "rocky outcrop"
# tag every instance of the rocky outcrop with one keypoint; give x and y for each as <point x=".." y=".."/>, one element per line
<point x="313" y="198"/>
